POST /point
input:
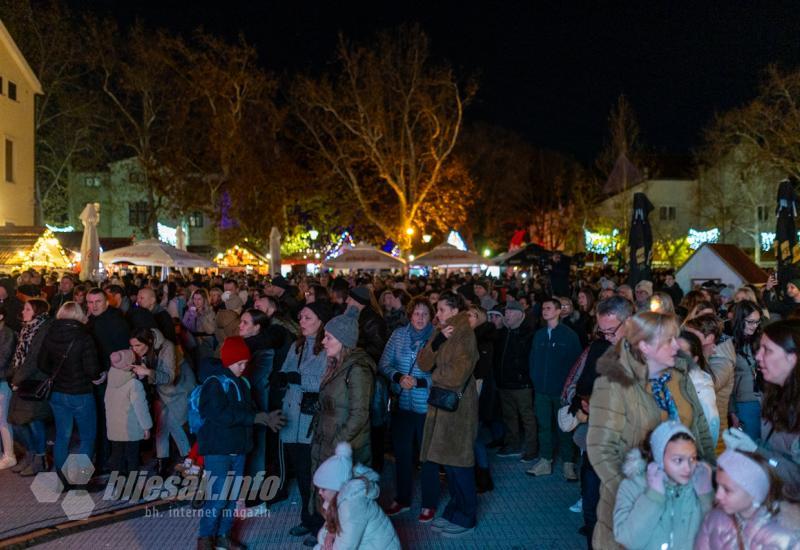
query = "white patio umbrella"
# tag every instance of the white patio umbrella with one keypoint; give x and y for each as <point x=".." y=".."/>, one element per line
<point x="447" y="255"/>
<point x="90" y="244"/>
<point x="274" y="252"/>
<point x="363" y="256"/>
<point x="154" y="252"/>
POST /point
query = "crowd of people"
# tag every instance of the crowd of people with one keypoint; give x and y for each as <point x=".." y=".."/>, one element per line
<point x="679" y="414"/>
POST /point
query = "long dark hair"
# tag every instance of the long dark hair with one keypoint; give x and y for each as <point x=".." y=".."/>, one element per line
<point x="780" y="404"/>
<point x="741" y="311"/>
<point x="260" y="319"/>
<point x="454" y="300"/>
<point x="301" y="339"/>
<point x="696" y="349"/>
<point x="146" y="337"/>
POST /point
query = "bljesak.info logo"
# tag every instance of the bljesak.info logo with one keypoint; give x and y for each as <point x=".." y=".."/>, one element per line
<point x="140" y="486"/>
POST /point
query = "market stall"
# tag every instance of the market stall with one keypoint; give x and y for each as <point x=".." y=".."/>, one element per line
<point x="31" y="247"/>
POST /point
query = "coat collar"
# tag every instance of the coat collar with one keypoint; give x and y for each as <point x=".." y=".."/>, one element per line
<point x="618" y="365"/>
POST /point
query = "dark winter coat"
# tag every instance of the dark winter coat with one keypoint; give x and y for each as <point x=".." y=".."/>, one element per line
<point x="111" y="333"/>
<point x="8" y="343"/>
<point x="345" y="399"/>
<point x="372" y="333"/>
<point x="22" y="412"/>
<point x="59" y="300"/>
<point x="70" y="348"/>
<point x="485" y="336"/>
<point x="449" y="437"/>
<point x="227" y="421"/>
<point x="511" y="351"/>
<point x="13" y="309"/>
<point x="552" y="357"/>
<point x="159" y="318"/>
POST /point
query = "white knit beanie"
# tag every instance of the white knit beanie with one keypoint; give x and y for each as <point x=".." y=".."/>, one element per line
<point x="337" y="470"/>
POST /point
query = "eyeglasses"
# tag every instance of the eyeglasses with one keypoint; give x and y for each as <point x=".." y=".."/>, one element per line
<point x="608" y="333"/>
<point x="753" y="322"/>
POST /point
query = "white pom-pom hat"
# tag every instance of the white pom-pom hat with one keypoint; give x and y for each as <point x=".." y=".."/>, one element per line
<point x="337" y="470"/>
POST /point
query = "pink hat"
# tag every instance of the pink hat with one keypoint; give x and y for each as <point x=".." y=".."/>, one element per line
<point x="746" y="473"/>
<point x="122" y="359"/>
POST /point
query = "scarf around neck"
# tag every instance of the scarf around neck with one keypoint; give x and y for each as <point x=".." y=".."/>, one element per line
<point x="26" y="335"/>
<point x="663" y="396"/>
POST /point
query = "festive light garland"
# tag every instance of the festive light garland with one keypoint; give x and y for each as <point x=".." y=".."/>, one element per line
<point x="698" y="238"/>
<point x="601" y="243"/>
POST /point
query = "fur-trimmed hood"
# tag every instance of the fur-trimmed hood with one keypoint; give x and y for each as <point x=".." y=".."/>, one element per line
<point x="619" y="366"/>
<point x="635" y="465"/>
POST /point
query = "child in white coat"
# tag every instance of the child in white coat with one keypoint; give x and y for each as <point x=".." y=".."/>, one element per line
<point x="128" y="419"/>
<point x="349" y="495"/>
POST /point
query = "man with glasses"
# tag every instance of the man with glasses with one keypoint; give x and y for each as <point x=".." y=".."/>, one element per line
<point x="609" y="328"/>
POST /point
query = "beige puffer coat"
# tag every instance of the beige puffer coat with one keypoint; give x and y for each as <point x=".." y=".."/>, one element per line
<point x="621" y="414"/>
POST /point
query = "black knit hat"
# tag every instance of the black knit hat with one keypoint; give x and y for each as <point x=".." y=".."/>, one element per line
<point x="361" y="295"/>
<point x="322" y="309"/>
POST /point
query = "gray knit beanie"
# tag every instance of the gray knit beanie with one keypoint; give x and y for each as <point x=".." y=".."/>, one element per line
<point x="344" y="327"/>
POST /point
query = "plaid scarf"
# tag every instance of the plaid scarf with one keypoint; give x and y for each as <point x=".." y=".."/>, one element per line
<point x="663" y="396"/>
<point x="26" y="335"/>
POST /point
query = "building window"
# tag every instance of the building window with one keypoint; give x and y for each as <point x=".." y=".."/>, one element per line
<point x="196" y="219"/>
<point x="92" y="181"/>
<point x="135" y="177"/>
<point x="9" y="160"/>
<point x="763" y="213"/>
<point x="138" y="212"/>
<point x="12" y="91"/>
<point x="666" y="213"/>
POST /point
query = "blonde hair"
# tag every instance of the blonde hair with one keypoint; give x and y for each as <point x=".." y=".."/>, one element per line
<point x="661" y="302"/>
<point x="73" y="311"/>
<point x="745" y="293"/>
<point x="480" y="313"/>
<point x="650" y="327"/>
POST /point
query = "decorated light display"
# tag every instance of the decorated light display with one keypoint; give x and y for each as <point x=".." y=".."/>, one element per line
<point x="698" y="238"/>
<point x="167" y="234"/>
<point x="601" y="243"/>
<point x="455" y="239"/>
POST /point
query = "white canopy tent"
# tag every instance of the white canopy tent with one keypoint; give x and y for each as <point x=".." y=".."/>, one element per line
<point x="363" y="256"/>
<point x="447" y="255"/>
<point x="153" y="252"/>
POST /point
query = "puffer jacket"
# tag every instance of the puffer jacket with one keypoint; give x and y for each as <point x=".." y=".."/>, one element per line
<point x="722" y="363"/>
<point x="621" y="414"/>
<point x="783" y="449"/>
<point x="345" y="399"/>
<point x="372" y="333"/>
<point x="448" y="437"/>
<point x="645" y="519"/>
<point x="311" y="368"/>
<point x="400" y="359"/>
<point x="71" y="349"/>
<point x="127" y="415"/>
<point x="763" y="531"/>
<point x="363" y="523"/>
<point x="704" y="384"/>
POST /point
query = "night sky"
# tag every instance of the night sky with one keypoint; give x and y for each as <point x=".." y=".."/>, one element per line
<point x="551" y="72"/>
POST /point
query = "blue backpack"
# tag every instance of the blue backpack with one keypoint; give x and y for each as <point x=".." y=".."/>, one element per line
<point x="195" y="420"/>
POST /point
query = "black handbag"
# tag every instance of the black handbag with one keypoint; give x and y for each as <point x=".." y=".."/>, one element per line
<point x="445" y="399"/>
<point x="309" y="404"/>
<point x="35" y="390"/>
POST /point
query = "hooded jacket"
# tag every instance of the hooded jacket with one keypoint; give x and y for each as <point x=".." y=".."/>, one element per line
<point x="227" y="420"/>
<point x="127" y="414"/>
<point x="645" y="519"/>
<point x="763" y="531"/>
<point x="363" y="523"/>
<point x="448" y="437"/>
<point x="621" y="414"/>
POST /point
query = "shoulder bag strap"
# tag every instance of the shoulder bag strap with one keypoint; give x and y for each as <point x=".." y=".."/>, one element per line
<point x="63" y="360"/>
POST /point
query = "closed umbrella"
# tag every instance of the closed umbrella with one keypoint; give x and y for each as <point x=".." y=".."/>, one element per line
<point x="786" y="248"/>
<point x="640" y="242"/>
<point x="275" y="252"/>
<point x="90" y="244"/>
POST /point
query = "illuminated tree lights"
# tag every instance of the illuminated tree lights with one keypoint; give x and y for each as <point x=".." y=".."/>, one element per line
<point x="601" y="243"/>
<point x="698" y="238"/>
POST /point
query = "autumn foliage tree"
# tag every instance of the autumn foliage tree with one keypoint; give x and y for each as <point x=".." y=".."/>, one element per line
<point x="386" y="123"/>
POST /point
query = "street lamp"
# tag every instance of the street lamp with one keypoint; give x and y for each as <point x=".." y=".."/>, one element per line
<point x="410" y="231"/>
<point x="427" y="238"/>
<point x="313" y="234"/>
